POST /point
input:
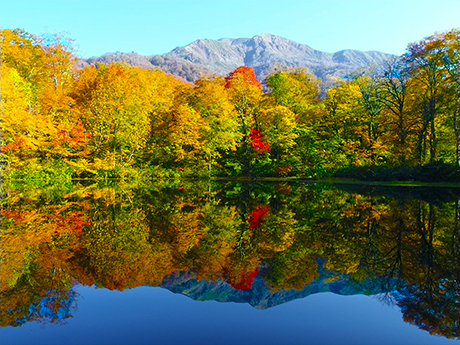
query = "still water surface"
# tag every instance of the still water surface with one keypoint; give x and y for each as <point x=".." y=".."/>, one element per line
<point x="231" y="263"/>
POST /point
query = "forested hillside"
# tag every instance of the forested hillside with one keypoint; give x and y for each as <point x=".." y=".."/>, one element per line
<point x="113" y="120"/>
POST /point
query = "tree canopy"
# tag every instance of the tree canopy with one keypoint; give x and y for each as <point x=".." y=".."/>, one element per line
<point x="115" y="120"/>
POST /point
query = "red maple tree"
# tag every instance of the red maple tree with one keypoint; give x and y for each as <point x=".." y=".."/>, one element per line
<point x="255" y="141"/>
<point x="256" y="215"/>
<point x="245" y="280"/>
<point x="243" y="72"/>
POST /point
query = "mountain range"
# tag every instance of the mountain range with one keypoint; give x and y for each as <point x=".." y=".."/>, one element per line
<point x="262" y="52"/>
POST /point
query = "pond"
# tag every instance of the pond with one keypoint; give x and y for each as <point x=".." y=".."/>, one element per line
<point x="228" y="262"/>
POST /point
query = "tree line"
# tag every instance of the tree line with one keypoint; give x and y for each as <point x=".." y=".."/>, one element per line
<point x="115" y="120"/>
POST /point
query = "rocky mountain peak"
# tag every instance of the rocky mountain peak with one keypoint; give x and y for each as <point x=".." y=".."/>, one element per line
<point x="260" y="52"/>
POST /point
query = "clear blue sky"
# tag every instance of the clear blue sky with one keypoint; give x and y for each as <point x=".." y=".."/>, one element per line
<point x="157" y="26"/>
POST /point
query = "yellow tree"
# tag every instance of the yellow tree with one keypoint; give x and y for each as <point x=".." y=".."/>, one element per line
<point x="115" y="113"/>
<point x="184" y="137"/>
<point x="57" y="82"/>
<point x="398" y="116"/>
<point x="17" y="121"/>
<point x="23" y="52"/>
<point x="353" y="112"/>
<point x="54" y="100"/>
<point x="175" y="137"/>
<point x="279" y="125"/>
<point x="432" y="65"/>
<point x="220" y="133"/>
<point x="245" y="93"/>
<point x="443" y="48"/>
<point x="40" y="122"/>
<point x="297" y="90"/>
<point x="342" y="122"/>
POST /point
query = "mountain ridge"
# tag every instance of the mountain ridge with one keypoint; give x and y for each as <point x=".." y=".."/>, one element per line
<point x="261" y="52"/>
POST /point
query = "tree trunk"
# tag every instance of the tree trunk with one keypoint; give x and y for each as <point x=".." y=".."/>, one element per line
<point x="420" y="142"/>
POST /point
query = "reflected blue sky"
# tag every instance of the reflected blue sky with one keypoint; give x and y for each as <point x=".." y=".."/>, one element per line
<point x="148" y="315"/>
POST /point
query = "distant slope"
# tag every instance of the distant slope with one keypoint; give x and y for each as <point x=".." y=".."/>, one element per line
<point x="261" y="52"/>
<point x="168" y="64"/>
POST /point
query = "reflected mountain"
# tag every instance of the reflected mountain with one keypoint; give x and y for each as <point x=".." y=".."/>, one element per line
<point x="263" y="244"/>
<point x="260" y="295"/>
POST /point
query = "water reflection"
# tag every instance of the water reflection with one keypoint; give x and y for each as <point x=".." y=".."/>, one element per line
<point x="262" y="244"/>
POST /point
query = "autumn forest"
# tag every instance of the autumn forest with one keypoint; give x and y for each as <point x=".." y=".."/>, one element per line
<point x="116" y="121"/>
